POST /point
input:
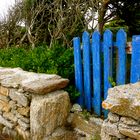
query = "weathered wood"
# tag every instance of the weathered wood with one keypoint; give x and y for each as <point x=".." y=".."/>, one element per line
<point x="107" y="50"/>
<point x="121" y="67"/>
<point x="96" y="63"/>
<point x="135" y="62"/>
<point x="78" y="69"/>
<point x="87" y="69"/>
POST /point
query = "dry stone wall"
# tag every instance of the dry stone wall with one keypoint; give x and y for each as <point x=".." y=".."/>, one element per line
<point x="123" y="122"/>
<point x="32" y="105"/>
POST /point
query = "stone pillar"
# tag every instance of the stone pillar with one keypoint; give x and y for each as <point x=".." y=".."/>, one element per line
<point x="32" y="106"/>
<point x="123" y="122"/>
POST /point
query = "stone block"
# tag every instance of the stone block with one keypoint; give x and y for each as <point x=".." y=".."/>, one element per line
<point x="31" y="82"/>
<point x="124" y="100"/>
<point x="43" y="86"/>
<point x="47" y="113"/>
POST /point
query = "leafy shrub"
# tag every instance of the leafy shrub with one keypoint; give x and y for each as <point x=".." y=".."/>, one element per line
<point x="115" y="25"/>
<point x="42" y="59"/>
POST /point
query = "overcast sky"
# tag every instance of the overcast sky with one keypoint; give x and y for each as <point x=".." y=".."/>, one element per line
<point x="4" y="5"/>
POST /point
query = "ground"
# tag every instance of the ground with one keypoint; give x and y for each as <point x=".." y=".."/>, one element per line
<point x="4" y="137"/>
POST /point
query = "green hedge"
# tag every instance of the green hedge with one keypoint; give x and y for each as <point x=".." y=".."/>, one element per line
<point x="42" y="59"/>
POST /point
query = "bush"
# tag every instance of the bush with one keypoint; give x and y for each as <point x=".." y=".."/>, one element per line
<point x="54" y="60"/>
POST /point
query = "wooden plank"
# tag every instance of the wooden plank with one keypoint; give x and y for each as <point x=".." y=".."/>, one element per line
<point x="135" y="61"/>
<point x="87" y="69"/>
<point x="107" y="47"/>
<point x="78" y="69"/>
<point x="121" y="67"/>
<point x="96" y="50"/>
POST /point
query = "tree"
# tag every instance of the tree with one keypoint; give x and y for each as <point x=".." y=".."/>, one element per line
<point x="129" y="12"/>
<point x="126" y="10"/>
<point x="61" y="20"/>
<point x="47" y="21"/>
<point x="10" y="30"/>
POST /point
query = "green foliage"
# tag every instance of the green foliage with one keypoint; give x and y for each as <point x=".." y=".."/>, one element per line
<point x="54" y="60"/>
<point x="115" y="25"/>
<point x="113" y="84"/>
<point x="86" y="114"/>
<point x="129" y="12"/>
<point x="74" y="94"/>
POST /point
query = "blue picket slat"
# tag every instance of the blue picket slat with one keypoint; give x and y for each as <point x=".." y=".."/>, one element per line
<point x="135" y="62"/>
<point x="121" y="67"/>
<point x="96" y="50"/>
<point x="87" y="69"/>
<point x="107" y="47"/>
<point x="78" y="69"/>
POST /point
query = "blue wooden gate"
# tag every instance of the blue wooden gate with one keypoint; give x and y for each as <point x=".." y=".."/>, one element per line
<point x="96" y="63"/>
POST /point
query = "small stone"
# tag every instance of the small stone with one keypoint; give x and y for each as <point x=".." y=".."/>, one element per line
<point x="19" y="97"/>
<point x="24" y="134"/>
<point x="91" y="128"/>
<point x="130" y="139"/>
<point x="105" y="136"/>
<point x="1" y="128"/>
<point x="4" y="91"/>
<point x="111" y="129"/>
<point x="21" y="90"/>
<point x="24" y="125"/>
<point x="4" y="98"/>
<point x="96" y="121"/>
<point x="129" y="121"/>
<point x="9" y="131"/>
<point x="134" y="129"/>
<point x="24" y="119"/>
<point x="13" y="111"/>
<point x="114" y="138"/>
<point x="113" y="117"/>
<point x="6" y="123"/>
<point x="130" y="133"/>
<point x="25" y="111"/>
<point x="76" y="108"/>
<point x="19" y="105"/>
<point x="13" y="104"/>
<point x="10" y="116"/>
<point x="62" y="134"/>
<point x="4" y="106"/>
